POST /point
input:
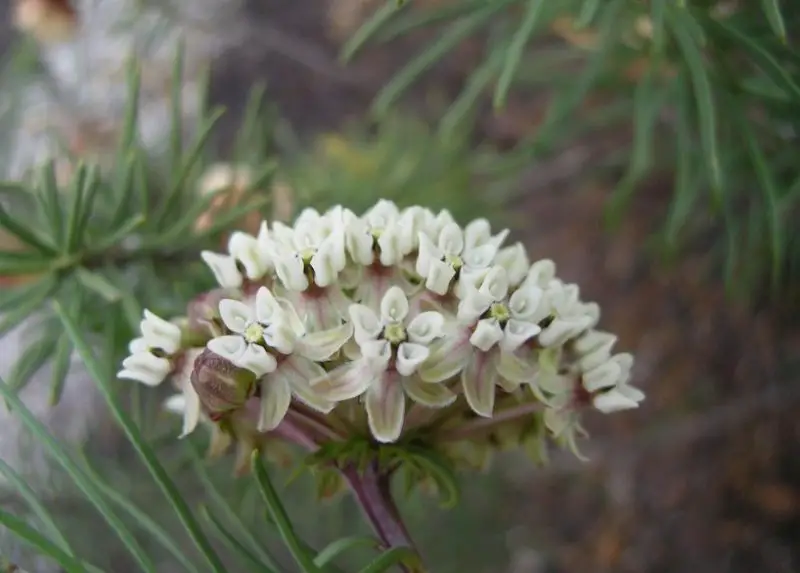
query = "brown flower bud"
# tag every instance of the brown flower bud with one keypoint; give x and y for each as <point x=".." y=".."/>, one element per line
<point x="222" y="387"/>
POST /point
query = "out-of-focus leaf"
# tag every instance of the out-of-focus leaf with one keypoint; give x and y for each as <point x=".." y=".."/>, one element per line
<point x="235" y="546"/>
<point x="368" y="29"/>
<point x="39" y="542"/>
<point x="516" y="48"/>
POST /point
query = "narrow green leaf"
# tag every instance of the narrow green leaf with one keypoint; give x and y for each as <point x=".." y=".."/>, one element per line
<point x="160" y="476"/>
<point x="174" y="193"/>
<point x="224" y="220"/>
<point x="390" y="558"/>
<point x="250" y="123"/>
<point x="587" y="14"/>
<point x="24" y="233"/>
<point x="97" y="283"/>
<point x="25" y="308"/>
<point x="131" y="120"/>
<point x="235" y="546"/>
<point x="119" y="234"/>
<point x="11" y="297"/>
<point x="157" y="533"/>
<point x="92" y="186"/>
<point x="369" y="28"/>
<point x="123" y="189"/>
<point x="86" y="485"/>
<point x="279" y="516"/>
<point x="39" y="542"/>
<point x="73" y="227"/>
<point x="706" y="110"/>
<point x="341" y="546"/>
<point x="15" y="263"/>
<point x="32" y="359"/>
<point x="32" y="499"/>
<point x="176" y="105"/>
<point x="62" y="359"/>
<point x="419" y="18"/>
<point x="48" y="197"/>
<point x="455" y="33"/>
<point x="466" y="100"/>
<point x="515" y="50"/>
<point x="772" y="9"/>
<point x="243" y="532"/>
<point x="777" y="72"/>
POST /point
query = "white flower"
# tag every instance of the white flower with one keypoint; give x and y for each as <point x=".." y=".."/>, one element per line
<point x="146" y="368"/>
<point x="608" y="384"/>
<point x="159" y="334"/>
<point x="392" y="349"/>
<point x="269" y="340"/>
<point x="568" y="316"/>
<point x="314" y="247"/>
<point x="224" y="269"/>
<point x="467" y="253"/>
<point x="491" y="325"/>
<point x="412" y="222"/>
<point x="251" y="252"/>
<point x="377" y="227"/>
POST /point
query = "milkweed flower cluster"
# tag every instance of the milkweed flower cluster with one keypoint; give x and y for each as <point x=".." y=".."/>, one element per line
<point x="390" y="325"/>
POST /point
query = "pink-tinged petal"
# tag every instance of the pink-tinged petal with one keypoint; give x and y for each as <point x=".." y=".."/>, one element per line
<point x="322" y="345"/>
<point x="276" y="397"/>
<point x="410" y="356"/>
<point x="257" y="360"/>
<point x="385" y="403"/>
<point x="366" y="325"/>
<point x="447" y="358"/>
<point x="317" y="312"/>
<point x="301" y="373"/>
<point x="281" y="337"/>
<point x="518" y="369"/>
<point x="378" y="351"/>
<point x="345" y="382"/>
<point x="427" y="394"/>
<point x="426" y="327"/>
<point x="479" y="380"/>
<point x="235" y="314"/>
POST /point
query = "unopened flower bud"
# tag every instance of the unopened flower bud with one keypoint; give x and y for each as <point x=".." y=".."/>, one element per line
<point x="221" y="386"/>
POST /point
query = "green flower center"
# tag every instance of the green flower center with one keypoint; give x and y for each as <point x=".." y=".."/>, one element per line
<point x="254" y="333"/>
<point x="454" y="261"/>
<point x="395" y="333"/>
<point x="500" y="312"/>
<point x="307" y="255"/>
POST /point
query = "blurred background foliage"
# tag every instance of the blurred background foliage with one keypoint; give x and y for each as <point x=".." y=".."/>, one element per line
<point x="671" y="124"/>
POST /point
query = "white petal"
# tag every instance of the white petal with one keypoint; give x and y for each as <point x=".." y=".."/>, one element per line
<point x="515" y="260"/>
<point x="477" y="233"/>
<point x="382" y="214"/>
<point x="276" y="397"/>
<point x="541" y="273"/>
<point x="289" y="314"/>
<point x="248" y="251"/>
<point x="517" y="369"/>
<point x="366" y="325"/>
<point x="594" y="348"/>
<point x="268" y="309"/>
<point x="613" y="401"/>
<point x="236" y="315"/>
<point x="377" y="351"/>
<point x="175" y="404"/>
<point x="473" y="304"/>
<point x="224" y="269"/>
<point x="345" y="382"/>
<point x="487" y="333"/>
<point x="322" y="345"/>
<point x="430" y="395"/>
<point x="257" y="360"/>
<point x="479" y="380"/>
<point x="480" y="257"/>
<point x="447" y="358"/>
<point x="440" y="275"/>
<point x="386" y="404"/>
<point x="412" y="221"/>
<point x="229" y="347"/>
<point x="389" y="243"/>
<point x="428" y="252"/>
<point x="495" y="284"/>
<point x="359" y="242"/>
<point x="561" y="330"/>
<point x="289" y="268"/>
<point x="300" y="373"/>
<point x="451" y="240"/>
<point x="158" y="333"/>
<point x="324" y="271"/>
<point x="138" y="345"/>
<point x="281" y="337"/>
<point x="516" y="333"/>
<point x="525" y="302"/>
<point x="191" y="410"/>
<point x="426" y="327"/>
<point x="145" y="368"/>
<point x="410" y="356"/>
<point x="394" y="306"/>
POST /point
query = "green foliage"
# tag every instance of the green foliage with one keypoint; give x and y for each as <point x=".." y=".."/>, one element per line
<point x="714" y="105"/>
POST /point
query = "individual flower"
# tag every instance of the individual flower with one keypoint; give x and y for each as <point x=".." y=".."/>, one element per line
<point x="392" y="349"/>
<point x="252" y="252"/>
<point x="490" y="323"/>
<point x="565" y="314"/>
<point x="224" y="268"/>
<point x="149" y="361"/>
<point x="267" y="339"/>
<point x="604" y="375"/>
<point x="466" y="254"/>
